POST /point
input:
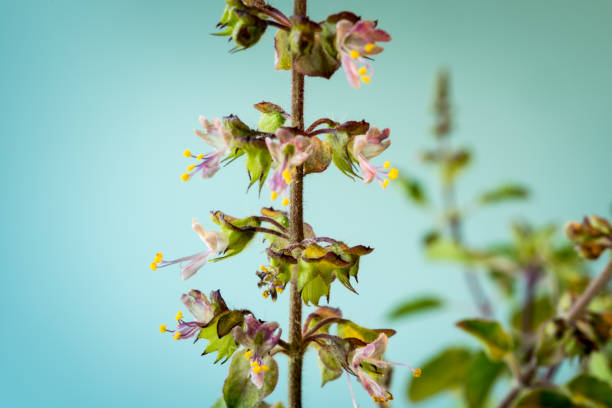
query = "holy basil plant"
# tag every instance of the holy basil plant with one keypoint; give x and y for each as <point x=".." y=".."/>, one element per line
<point x="549" y="309"/>
<point x="278" y="151"/>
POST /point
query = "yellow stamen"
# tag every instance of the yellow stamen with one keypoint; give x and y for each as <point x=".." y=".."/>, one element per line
<point x="179" y="315"/>
<point x="286" y="201"/>
<point x="254" y="364"/>
<point x="287" y="176"/>
<point x="354" y="54"/>
<point x="162" y="328"/>
<point x="362" y="71"/>
<point x="158" y="257"/>
<point x="263" y="268"/>
<point x="177" y="335"/>
<point x="279" y="290"/>
<point x="417" y="372"/>
<point x="187" y="153"/>
<point x="185" y="176"/>
<point x="153" y="266"/>
<point x="248" y="354"/>
<point x="200" y="156"/>
<point x="265" y="367"/>
<point x="385" y="183"/>
<point x="265" y="294"/>
<point x="256" y="369"/>
<point x="366" y="79"/>
<point x="273" y="196"/>
<point x="393" y="173"/>
<point x="190" y="167"/>
<point x="386" y="165"/>
<point x="369" y="47"/>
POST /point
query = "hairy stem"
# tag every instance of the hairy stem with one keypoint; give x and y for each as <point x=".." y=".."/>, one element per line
<point x="296" y="232"/>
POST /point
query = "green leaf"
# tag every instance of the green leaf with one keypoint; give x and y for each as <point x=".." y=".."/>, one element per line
<point x="329" y="366"/>
<point x="347" y="328"/>
<point x="600" y="367"/>
<point x="220" y="403"/>
<point x="228" y="321"/>
<point x="498" y="343"/>
<point x="338" y="142"/>
<point x="314" y="290"/>
<point x="502" y="193"/>
<point x="480" y="377"/>
<point x="416" y="305"/>
<point x="282" y="57"/>
<point x="239" y="232"/>
<point x="544" y="398"/>
<point x="444" y="371"/>
<point x="446" y="250"/>
<point x="224" y="346"/>
<point x="238" y="389"/>
<point x="591" y="389"/>
<point x="542" y="310"/>
<point x="413" y="190"/>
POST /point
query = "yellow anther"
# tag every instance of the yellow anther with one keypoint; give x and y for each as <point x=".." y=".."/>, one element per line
<point x="385" y="183"/>
<point x="366" y="79"/>
<point x="200" y="156"/>
<point x="185" y="176"/>
<point x="248" y="354"/>
<point x="158" y="257"/>
<point x="265" y="294"/>
<point x="362" y="71"/>
<point x="162" y="328"/>
<point x="265" y="367"/>
<point x="263" y="268"/>
<point x="386" y="165"/>
<point x="286" y="201"/>
<point x="190" y="167"/>
<point x="369" y="47"/>
<point x="393" y="173"/>
<point x="287" y="176"/>
<point x="254" y="364"/>
<point x="417" y="372"/>
<point x="177" y="335"/>
<point x="179" y="315"/>
<point x="187" y="153"/>
<point x="273" y="196"/>
<point x="354" y="54"/>
<point x="153" y="266"/>
<point x="279" y="290"/>
<point x="257" y="369"/>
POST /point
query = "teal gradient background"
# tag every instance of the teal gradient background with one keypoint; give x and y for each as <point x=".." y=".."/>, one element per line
<point x="99" y="98"/>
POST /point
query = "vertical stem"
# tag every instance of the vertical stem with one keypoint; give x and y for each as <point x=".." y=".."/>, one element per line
<point x="478" y="294"/>
<point x="296" y="230"/>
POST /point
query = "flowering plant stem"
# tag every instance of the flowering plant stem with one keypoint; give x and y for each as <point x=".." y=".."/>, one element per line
<point x="296" y="230"/>
<point x="595" y="287"/>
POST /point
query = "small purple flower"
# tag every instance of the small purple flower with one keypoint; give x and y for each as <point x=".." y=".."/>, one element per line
<point x="289" y="152"/>
<point x="201" y="309"/>
<point x="367" y="146"/>
<point x="216" y="243"/>
<point x="355" y="43"/>
<point x="259" y="339"/>
<point x="219" y="139"/>
<point x="372" y="355"/>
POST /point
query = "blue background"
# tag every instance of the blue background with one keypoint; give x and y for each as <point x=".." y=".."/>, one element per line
<point x="98" y="101"/>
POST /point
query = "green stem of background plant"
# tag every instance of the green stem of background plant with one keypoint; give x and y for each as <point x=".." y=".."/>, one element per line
<point x="450" y="209"/>
<point x="296" y="231"/>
